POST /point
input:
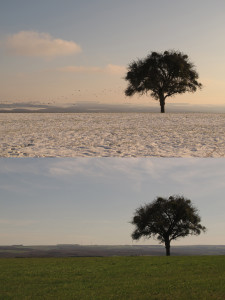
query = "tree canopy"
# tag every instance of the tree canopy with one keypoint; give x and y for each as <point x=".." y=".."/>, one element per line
<point x="163" y="74"/>
<point x="167" y="219"/>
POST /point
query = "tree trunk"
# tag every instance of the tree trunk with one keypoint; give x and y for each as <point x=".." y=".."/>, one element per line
<point x="162" y="103"/>
<point x="167" y="246"/>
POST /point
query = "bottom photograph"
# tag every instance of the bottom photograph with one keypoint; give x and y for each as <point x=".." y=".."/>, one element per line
<point x="112" y="228"/>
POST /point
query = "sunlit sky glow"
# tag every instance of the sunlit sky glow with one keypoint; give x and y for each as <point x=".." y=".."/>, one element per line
<point x="61" y="52"/>
<point x="91" y="201"/>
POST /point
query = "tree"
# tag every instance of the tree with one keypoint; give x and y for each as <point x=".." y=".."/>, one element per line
<point x="164" y="74"/>
<point x="167" y="219"/>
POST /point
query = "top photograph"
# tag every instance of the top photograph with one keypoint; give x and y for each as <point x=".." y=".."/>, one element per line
<point x="112" y="78"/>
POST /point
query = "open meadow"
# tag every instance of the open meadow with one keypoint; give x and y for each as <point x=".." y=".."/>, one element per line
<point x="146" y="277"/>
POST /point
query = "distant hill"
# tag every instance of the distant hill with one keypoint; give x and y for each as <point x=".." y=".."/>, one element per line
<point x="75" y="250"/>
<point x="91" y="106"/>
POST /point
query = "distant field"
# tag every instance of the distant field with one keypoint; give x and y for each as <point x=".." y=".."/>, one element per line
<point x="184" y="277"/>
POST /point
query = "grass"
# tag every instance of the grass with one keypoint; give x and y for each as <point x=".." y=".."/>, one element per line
<point x="183" y="277"/>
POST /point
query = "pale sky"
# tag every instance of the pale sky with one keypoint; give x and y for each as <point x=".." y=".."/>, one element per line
<point x="92" y="201"/>
<point x="59" y="52"/>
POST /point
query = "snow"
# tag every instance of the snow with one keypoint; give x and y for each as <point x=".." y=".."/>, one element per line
<point x="112" y="134"/>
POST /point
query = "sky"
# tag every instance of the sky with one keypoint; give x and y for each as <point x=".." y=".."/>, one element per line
<point x="60" y="52"/>
<point x="92" y="200"/>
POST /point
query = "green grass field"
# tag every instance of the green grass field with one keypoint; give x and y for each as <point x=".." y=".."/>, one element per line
<point x="178" y="277"/>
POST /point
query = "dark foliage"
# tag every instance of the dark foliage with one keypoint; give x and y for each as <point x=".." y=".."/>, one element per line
<point x="164" y="74"/>
<point x="167" y="219"/>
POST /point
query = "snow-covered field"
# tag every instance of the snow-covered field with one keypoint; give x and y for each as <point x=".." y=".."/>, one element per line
<point x="109" y="134"/>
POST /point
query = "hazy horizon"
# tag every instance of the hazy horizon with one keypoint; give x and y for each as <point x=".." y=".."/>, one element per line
<point x="94" y="106"/>
<point x="113" y="245"/>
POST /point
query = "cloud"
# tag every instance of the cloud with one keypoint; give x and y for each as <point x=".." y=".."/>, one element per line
<point x="132" y="169"/>
<point x="32" y="43"/>
<point x="108" y="69"/>
<point x="80" y="69"/>
<point x="115" y="69"/>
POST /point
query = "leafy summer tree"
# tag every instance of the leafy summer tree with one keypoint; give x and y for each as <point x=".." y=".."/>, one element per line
<point x="167" y="219"/>
<point x="164" y="74"/>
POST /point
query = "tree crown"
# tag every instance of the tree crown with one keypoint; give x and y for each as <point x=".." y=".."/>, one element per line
<point x="167" y="219"/>
<point x="164" y="74"/>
